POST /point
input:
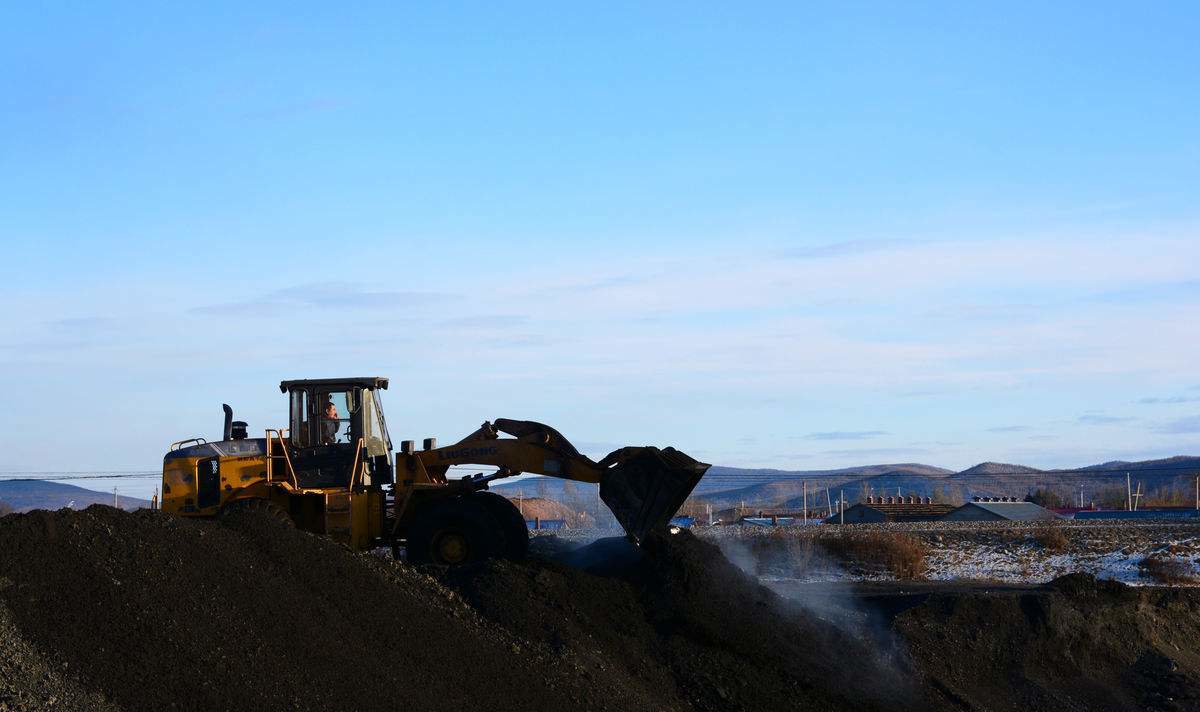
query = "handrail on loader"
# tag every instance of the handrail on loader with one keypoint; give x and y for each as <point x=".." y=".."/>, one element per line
<point x="287" y="458"/>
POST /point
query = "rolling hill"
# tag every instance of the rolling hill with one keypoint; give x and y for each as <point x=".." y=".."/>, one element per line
<point x="25" y="495"/>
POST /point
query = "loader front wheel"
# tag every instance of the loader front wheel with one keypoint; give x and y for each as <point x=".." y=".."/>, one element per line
<point x="456" y="532"/>
<point x="513" y="530"/>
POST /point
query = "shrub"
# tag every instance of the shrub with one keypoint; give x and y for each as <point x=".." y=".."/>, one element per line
<point x="783" y="553"/>
<point x="1167" y="571"/>
<point x="901" y="555"/>
<point x="1052" y="539"/>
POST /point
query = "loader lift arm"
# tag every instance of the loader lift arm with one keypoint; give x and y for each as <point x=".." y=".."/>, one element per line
<point x="643" y="486"/>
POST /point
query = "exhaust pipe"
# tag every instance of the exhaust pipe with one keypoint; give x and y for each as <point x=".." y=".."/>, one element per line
<point x="227" y="432"/>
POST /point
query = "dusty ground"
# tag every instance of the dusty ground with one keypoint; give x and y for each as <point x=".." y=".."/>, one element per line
<point x="117" y="611"/>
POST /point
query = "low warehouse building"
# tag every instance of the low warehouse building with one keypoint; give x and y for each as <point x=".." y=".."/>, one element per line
<point x="892" y="509"/>
<point x="1000" y="510"/>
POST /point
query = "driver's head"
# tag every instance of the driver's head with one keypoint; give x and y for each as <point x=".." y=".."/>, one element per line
<point x="331" y="411"/>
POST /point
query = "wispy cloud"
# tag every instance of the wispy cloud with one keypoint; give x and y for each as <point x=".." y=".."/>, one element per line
<point x="845" y="435"/>
<point x="485" y="321"/>
<point x="1171" y="400"/>
<point x="324" y="296"/>
<point x="1170" y="290"/>
<point x="82" y="323"/>
<point x="876" y="452"/>
<point x="842" y="249"/>
<point x="1095" y="419"/>
<point x="1179" y="426"/>
<point x="1011" y="429"/>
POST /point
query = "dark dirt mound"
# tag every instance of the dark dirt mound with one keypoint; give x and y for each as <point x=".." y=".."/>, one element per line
<point x="107" y="610"/>
<point x="158" y="613"/>
<point x="684" y="622"/>
<point x="1076" y="644"/>
<point x="29" y="683"/>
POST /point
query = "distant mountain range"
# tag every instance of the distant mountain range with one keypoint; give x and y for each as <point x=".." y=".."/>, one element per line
<point x="771" y="488"/>
<point x="726" y="487"/>
<point x="24" y="495"/>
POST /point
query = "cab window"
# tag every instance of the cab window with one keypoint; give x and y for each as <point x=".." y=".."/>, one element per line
<point x="333" y="411"/>
<point x="299" y="426"/>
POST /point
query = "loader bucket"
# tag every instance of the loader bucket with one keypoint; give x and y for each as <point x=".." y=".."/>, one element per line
<point x="647" y="486"/>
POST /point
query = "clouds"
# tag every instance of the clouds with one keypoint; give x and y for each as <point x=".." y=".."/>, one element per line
<point x="842" y="249"/>
<point x="845" y="435"/>
<point x="1099" y="419"/>
<point x="1173" y="400"/>
<point x="1181" y="426"/>
<point x="322" y="296"/>
<point x="863" y="455"/>
<point x="683" y="350"/>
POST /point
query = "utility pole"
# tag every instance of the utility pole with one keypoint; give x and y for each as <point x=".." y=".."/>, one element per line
<point x="115" y="498"/>
<point x="1128" y="494"/>
<point x="1198" y="492"/>
<point x="828" y="503"/>
<point x="806" y="501"/>
<point x="841" y="506"/>
<point x="1137" y="497"/>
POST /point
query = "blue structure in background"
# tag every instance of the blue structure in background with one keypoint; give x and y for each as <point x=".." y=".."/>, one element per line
<point x="685" y="522"/>
<point x="768" y="521"/>
<point x="546" y="523"/>
<point x="1139" y="514"/>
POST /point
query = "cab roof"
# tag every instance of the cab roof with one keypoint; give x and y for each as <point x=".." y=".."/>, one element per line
<point x="359" y="382"/>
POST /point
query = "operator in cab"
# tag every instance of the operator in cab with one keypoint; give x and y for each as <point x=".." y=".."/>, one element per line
<point x="330" y="424"/>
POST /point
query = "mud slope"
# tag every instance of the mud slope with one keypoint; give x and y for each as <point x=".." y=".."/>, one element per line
<point x="1077" y="644"/>
<point x="155" y="613"/>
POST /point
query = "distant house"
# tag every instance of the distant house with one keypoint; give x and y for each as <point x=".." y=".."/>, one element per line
<point x="1000" y="510"/>
<point x="892" y="509"/>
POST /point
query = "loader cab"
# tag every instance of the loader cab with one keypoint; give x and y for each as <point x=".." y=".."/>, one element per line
<point x="332" y="424"/>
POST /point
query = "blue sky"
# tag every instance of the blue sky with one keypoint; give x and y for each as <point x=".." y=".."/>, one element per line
<point x="770" y="235"/>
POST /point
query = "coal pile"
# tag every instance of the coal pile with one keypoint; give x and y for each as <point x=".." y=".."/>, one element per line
<point x="141" y="611"/>
<point x="114" y="611"/>
<point x="1074" y="644"/>
<point x="684" y="621"/>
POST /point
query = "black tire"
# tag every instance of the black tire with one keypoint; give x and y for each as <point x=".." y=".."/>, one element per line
<point x="455" y="532"/>
<point x="514" y="532"/>
<point x="255" y="507"/>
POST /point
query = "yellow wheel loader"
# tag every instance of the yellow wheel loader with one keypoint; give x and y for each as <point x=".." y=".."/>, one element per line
<point x="333" y="471"/>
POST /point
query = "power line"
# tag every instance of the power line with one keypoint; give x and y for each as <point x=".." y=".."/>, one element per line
<point x="66" y="476"/>
<point x="714" y="477"/>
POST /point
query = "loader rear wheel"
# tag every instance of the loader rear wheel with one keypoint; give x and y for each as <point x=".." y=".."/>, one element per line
<point x="513" y="530"/>
<point x="255" y="507"/>
<point x="456" y="532"/>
